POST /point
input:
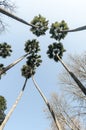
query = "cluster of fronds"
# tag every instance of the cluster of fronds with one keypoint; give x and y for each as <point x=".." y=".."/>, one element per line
<point x="42" y="25"/>
<point x="5" y="50"/>
<point x="54" y="50"/>
<point x="33" y="59"/>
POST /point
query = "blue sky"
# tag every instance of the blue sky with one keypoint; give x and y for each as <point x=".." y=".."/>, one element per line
<point x="29" y="113"/>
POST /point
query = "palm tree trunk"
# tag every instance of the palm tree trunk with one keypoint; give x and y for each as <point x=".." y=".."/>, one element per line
<point x="48" y="105"/>
<point x="12" y="64"/>
<point x="15" y="17"/>
<point x="13" y="107"/>
<point x="74" y="30"/>
<point x="80" y="85"/>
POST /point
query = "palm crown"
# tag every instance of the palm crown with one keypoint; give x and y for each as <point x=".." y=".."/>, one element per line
<point x="42" y="25"/>
<point x="54" y="50"/>
<point x="5" y="50"/>
<point x="56" y="29"/>
<point x="33" y="59"/>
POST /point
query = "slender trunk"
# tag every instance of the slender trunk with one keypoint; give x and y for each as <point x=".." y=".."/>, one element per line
<point x="12" y="64"/>
<point x="13" y="107"/>
<point x="80" y="85"/>
<point x="48" y="105"/>
<point x="75" y="30"/>
<point x="15" y="17"/>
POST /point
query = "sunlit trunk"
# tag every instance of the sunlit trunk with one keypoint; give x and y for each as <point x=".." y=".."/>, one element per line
<point x="13" y="107"/>
<point x="48" y="105"/>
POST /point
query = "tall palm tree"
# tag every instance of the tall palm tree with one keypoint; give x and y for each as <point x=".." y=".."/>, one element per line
<point x="47" y="104"/>
<point x="55" y="51"/>
<point x="28" y="70"/>
<point x="13" y="107"/>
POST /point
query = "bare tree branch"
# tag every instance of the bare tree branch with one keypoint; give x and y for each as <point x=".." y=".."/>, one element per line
<point x="7" y="4"/>
<point x="60" y="108"/>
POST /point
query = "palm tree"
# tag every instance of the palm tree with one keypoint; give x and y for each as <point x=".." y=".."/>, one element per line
<point x="14" y="106"/>
<point x="55" y="51"/>
<point x="28" y="70"/>
<point x="3" y="107"/>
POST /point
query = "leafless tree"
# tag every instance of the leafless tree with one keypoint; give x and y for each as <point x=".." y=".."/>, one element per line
<point x="73" y="76"/>
<point x="77" y="63"/>
<point x="8" y="5"/>
<point x="61" y="109"/>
